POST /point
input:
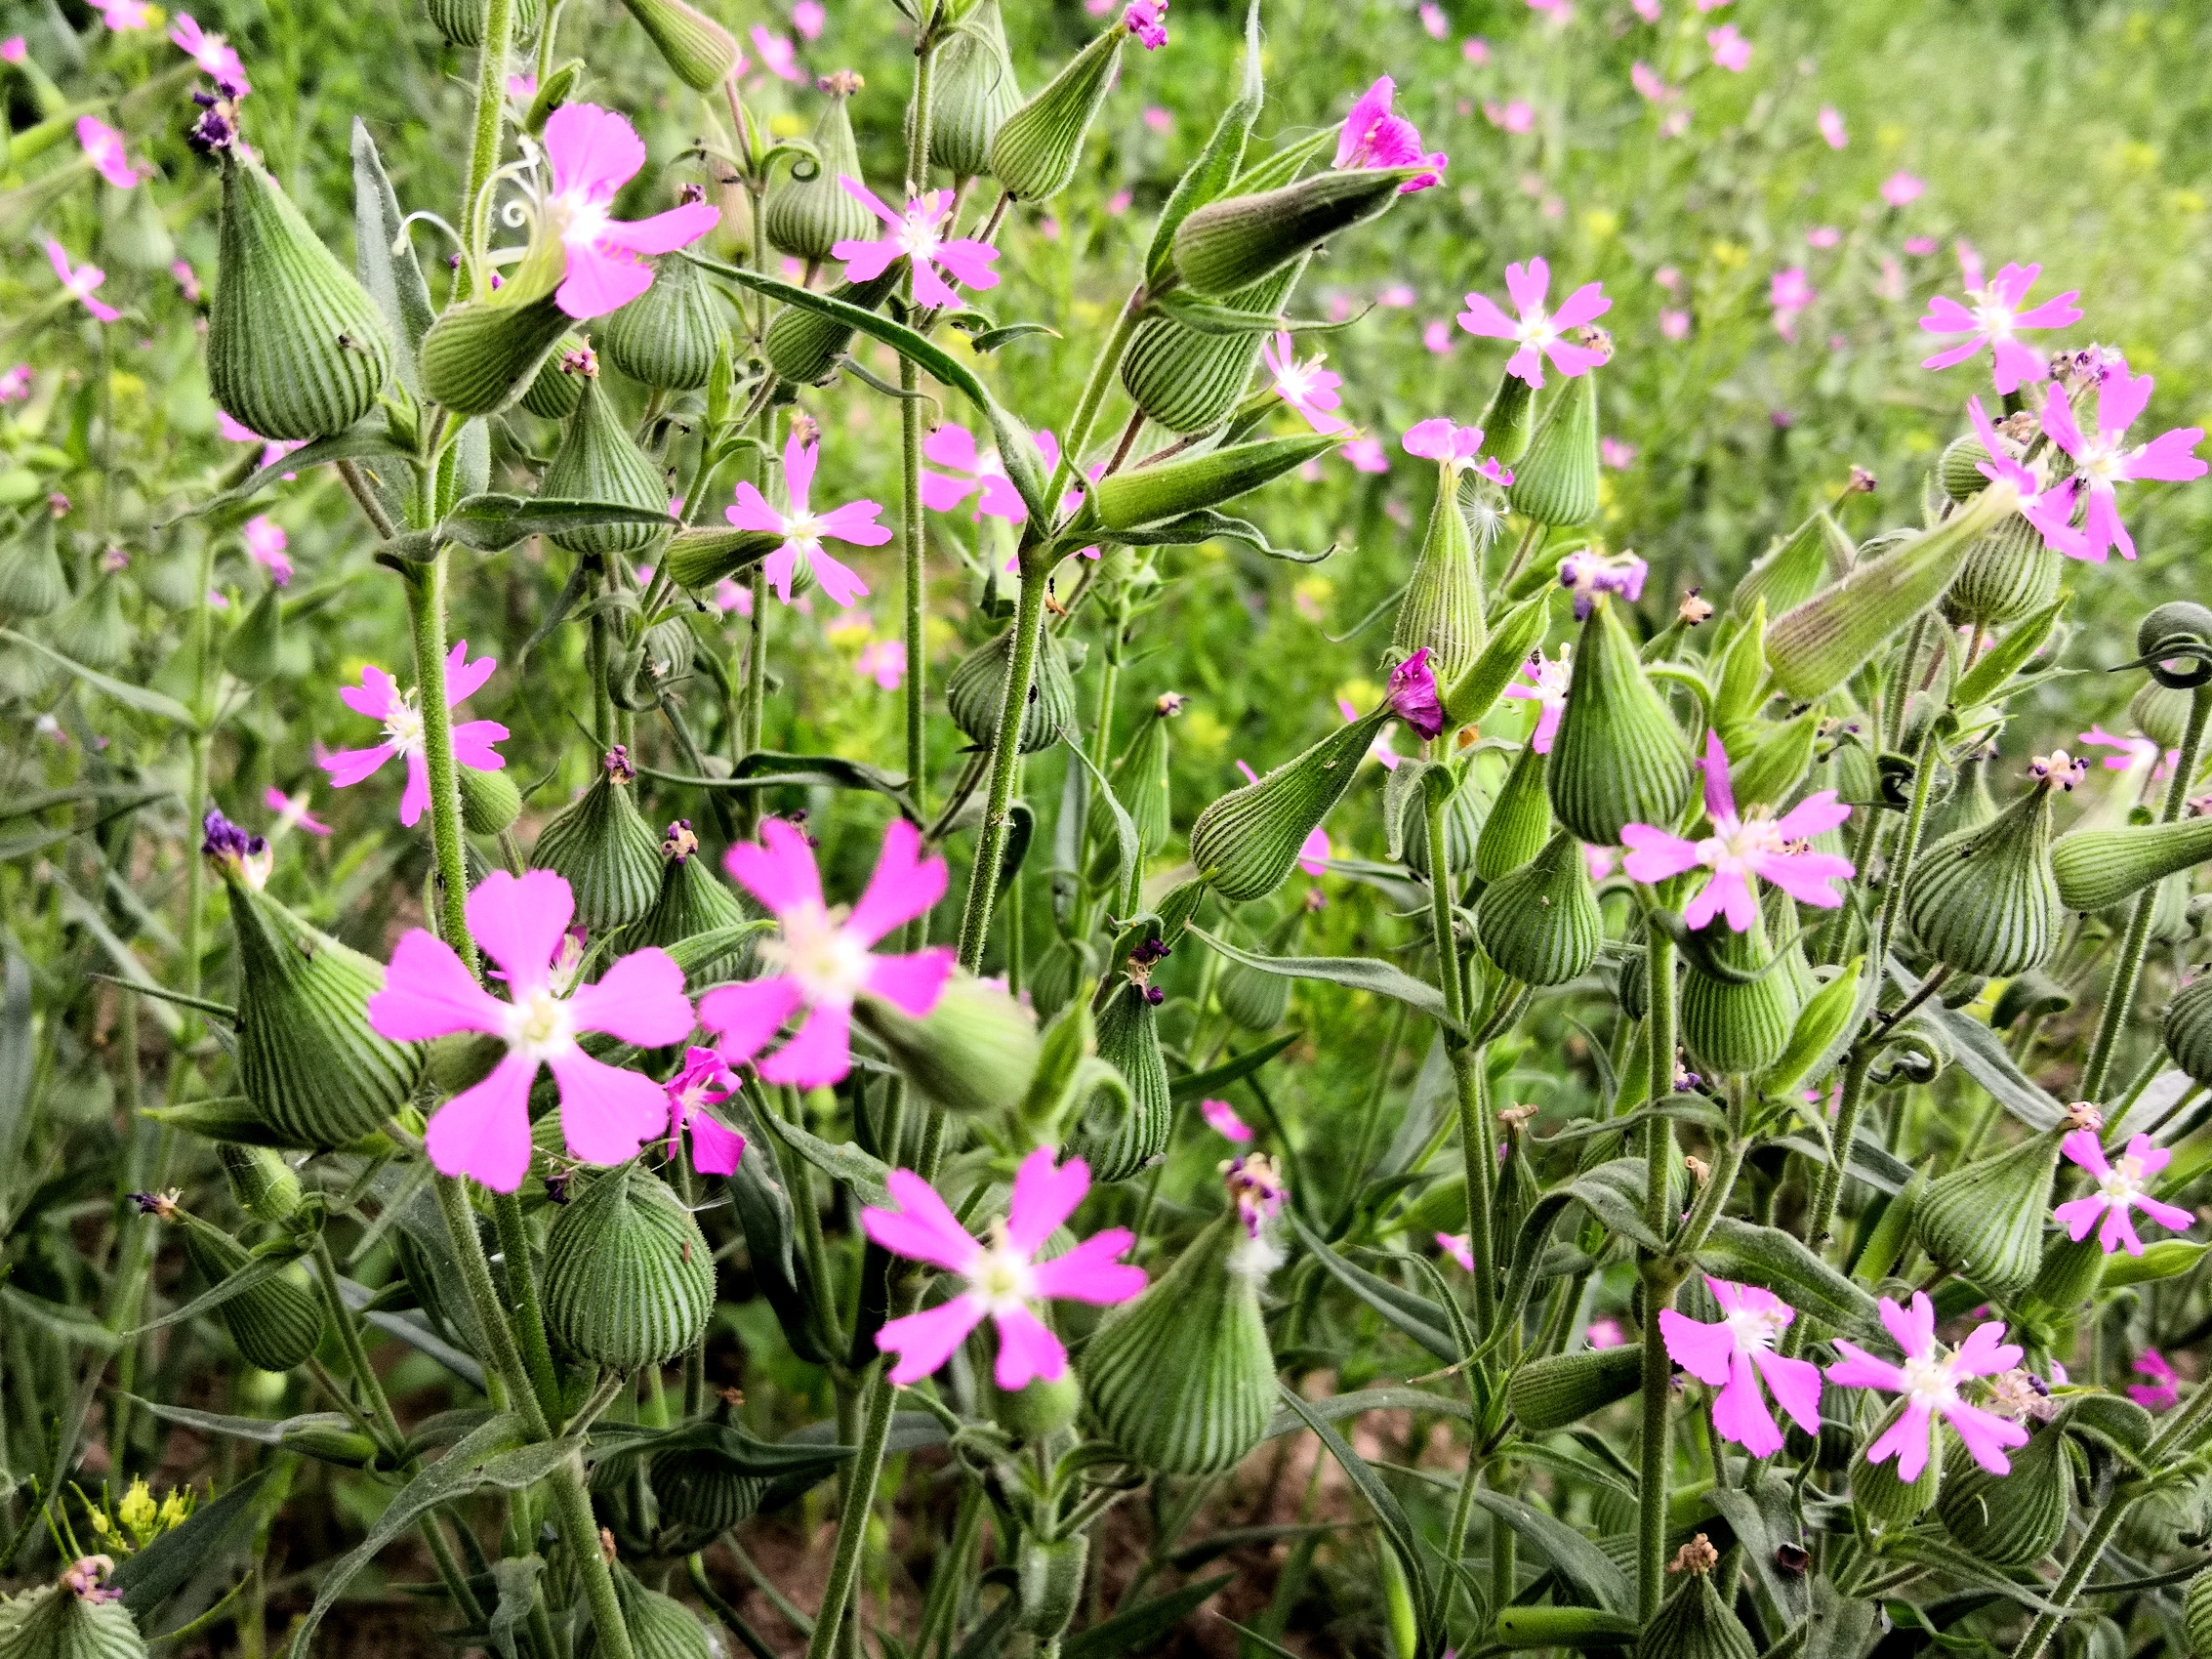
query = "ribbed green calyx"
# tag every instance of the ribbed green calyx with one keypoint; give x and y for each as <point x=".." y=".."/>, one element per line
<point x="262" y="1182"/>
<point x="32" y="582"/>
<point x="1465" y="817"/>
<point x="699" y="558"/>
<point x="692" y="901"/>
<point x="1552" y="1394"/>
<point x="696" y="1488"/>
<point x="1116" y="1139"/>
<point x="54" y="1622"/>
<point x="1969" y="805"/>
<point x="976" y="1051"/>
<point x="1875" y="1489"/>
<point x="1738" y="1029"/>
<point x="1508" y="420"/>
<point x="551" y="393"/>
<point x="308" y="1059"/>
<point x="1035" y="151"/>
<point x="1140" y="780"/>
<point x="974" y="93"/>
<point x="1540" y="925"/>
<point x="1228" y="245"/>
<point x="700" y="51"/>
<point x="1187" y="381"/>
<point x="660" y="1625"/>
<point x="1617" y="758"/>
<point x="1986" y="900"/>
<point x="296" y="349"/>
<point x="2094" y="868"/>
<point x="1049" y="1578"/>
<point x="276" y="1323"/>
<point x="1556" y="482"/>
<point x="489" y="799"/>
<point x="600" y="461"/>
<point x="1182" y="1378"/>
<point x="1985" y="1221"/>
<point x="2197" y="1614"/>
<point x="2162" y="714"/>
<point x="2015" y="1520"/>
<point x="483" y="355"/>
<point x="1694" y="1621"/>
<point x="1154" y="495"/>
<point x="2068" y="1276"/>
<point x="976" y="690"/>
<point x="603" y="847"/>
<point x="808" y="215"/>
<point x="1443" y="607"/>
<point x="1519" y="822"/>
<point x="2186" y="1030"/>
<point x="254" y="650"/>
<point x="1246" y="842"/>
<point x="1792" y="572"/>
<point x="1959" y="469"/>
<point x="1251" y="997"/>
<point x="668" y="338"/>
<point x="94" y="630"/>
<point x="462" y="21"/>
<point x="803" y="346"/>
<point x="630" y="1280"/>
<point x="2008" y="574"/>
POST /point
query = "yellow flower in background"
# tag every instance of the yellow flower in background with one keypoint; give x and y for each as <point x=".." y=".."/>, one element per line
<point x="1362" y="694"/>
<point x="137" y="1510"/>
<point x="1203" y="732"/>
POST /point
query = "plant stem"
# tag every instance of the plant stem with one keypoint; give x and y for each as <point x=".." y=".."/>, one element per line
<point x="1827" y="1186"/>
<point x="1086" y="416"/>
<point x="425" y="614"/>
<point x="1478" y="1153"/>
<point x="529" y="1320"/>
<point x="1659" y="1280"/>
<point x="491" y="98"/>
<point x="2076" y="1574"/>
<point x="1006" y="745"/>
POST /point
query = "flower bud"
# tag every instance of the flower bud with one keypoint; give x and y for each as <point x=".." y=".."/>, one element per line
<point x="670" y="337"/>
<point x="262" y="1182"/>
<point x="2176" y="643"/>
<point x="489" y="799"/>
<point x="2094" y="868"/>
<point x="1737" y="1030"/>
<point x="1985" y="1221"/>
<point x="1443" y="605"/>
<point x="1508" y="419"/>
<point x="1464" y="818"/>
<point x="1034" y="150"/>
<point x="803" y="347"/>
<point x="698" y="559"/>
<point x="629" y="1279"/>
<point x="1540" y="925"/>
<point x="32" y="582"/>
<point x="603" y="847"/>
<point x="1792" y="572"/>
<point x="810" y="213"/>
<point x="2015" y="1520"/>
<point x="1575" y="1629"/>
<point x="1228" y="245"/>
<point x="93" y="630"/>
<point x="1245" y="843"/>
<point x="693" y="902"/>
<point x="1556" y="1392"/>
<point x="1187" y="381"/>
<point x="1694" y="1621"/>
<point x="295" y="347"/>
<point x="1048" y="1582"/>
<point x="277" y="1323"/>
<point x="660" y="1625"/>
<point x="1959" y="469"/>
<point x="1617" y="758"/>
<point x="700" y="51"/>
<point x="1118" y="1138"/>
<point x="2186" y="1030"/>
<point x="482" y="355"/>
<point x="1556" y="482"/>
<point x="1040" y="1410"/>
<point x="974" y="93"/>
<point x="600" y="461"/>
<point x="1875" y="1489"/>
<point x="1985" y="900"/>
<point x="462" y="21"/>
<point x="975" y="692"/>
<point x="347" y="1448"/>
<point x="2067" y="1275"/>
<point x="1154" y="495"/>
<point x="1519" y="822"/>
<point x="1141" y="781"/>
<point x="975" y="1051"/>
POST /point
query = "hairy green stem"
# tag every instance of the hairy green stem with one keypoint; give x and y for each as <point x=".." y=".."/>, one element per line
<point x="491" y="102"/>
<point x="425" y="615"/>
<point x="1478" y="1141"/>
<point x="1103" y="371"/>
<point x="1005" y="745"/>
<point x="1655" y="1464"/>
<point x="529" y="1320"/>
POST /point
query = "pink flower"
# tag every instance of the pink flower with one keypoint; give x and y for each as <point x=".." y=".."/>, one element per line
<point x="1606" y="1333"/>
<point x="1733" y="1353"/>
<point x="188" y="281"/>
<point x="1514" y="115"/>
<point x="1599" y="861"/>
<point x="1990" y="318"/>
<point x="2049" y="508"/>
<point x="954" y="447"/>
<point x="123" y="16"/>
<point x="1740" y="849"/>
<point x="1314" y="853"/>
<point x="380" y="699"/>
<point x="1002" y="1274"/>
<point x="1548" y="681"/>
<point x="1455" y="448"/>
<point x="730" y="595"/>
<point x="2104" y="460"/>
<point x="1379" y="751"/>
<point x="1832" y="128"/>
<point x="521" y="923"/>
<point x="1674" y="324"/>
<point x="1365" y="455"/>
<point x="918" y="238"/>
<point x="1147" y="19"/>
<point x="1558" y="11"/>
<point x="1373" y="137"/>
<point x="1588" y="574"/>
<point x="593" y="154"/>
<point x="822" y="962"/>
<point x="2135" y="750"/>
<point x="1221" y="1117"/>
<point x="807" y="17"/>
<point x="1159" y="120"/>
<point x="1920" y="246"/>
<point x="1475" y="49"/>
<point x="1540" y="333"/>
<point x="1460" y="1248"/>
<point x="1412" y="695"/>
<point x="777" y="53"/>
<point x="273" y="449"/>
<point x="14" y="49"/>
<point x="1823" y="236"/>
<point x="1649" y="84"/>
<point x="1648" y="10"/>
<point x="702" y="1081"/>
<point x="884" y="661"/>
<point x="1615" y="454"/>
<point x="1397" y="296"/>
<point x="805" y="531"/>
<point x="14" y="384"/>
<point x="1433" y="21"/>
<point x="104" y="147"/>
<point x="267" y="541"/>
<point x="291" y="809"/>
<point x="1437" y="336"/>
<point x="1929" y="1380"/>
<point x="1119" y="203"/>
<point x="1901" y="188"/>
<point x="2120" y="1188"/>
<point x="2161" y="1395"/>
<point x="80" y="281"/>
<point x="522" y="87"/>
<point x="1306" y="385"/>
<point x="1731" y="50"/>
<point x="217" y="61"/>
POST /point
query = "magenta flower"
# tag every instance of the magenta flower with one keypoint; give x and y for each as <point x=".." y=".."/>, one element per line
<point x="217" y="61"/>
<point x="1615" y="453"/>
<point x="267" y="541"/>
<point x="14" y="49"/>
<point x="1460" y="1248"/>
<point x="1674" y="324"/>
<point x="1549" y="680"/>
<point x="1456" y="449"/>
<point x="703" y="1080"/>
<point x="80" y="281"/>
<point x="1733" y="1354"/>
<point x="1365" y="455"/>
<point x="1221" y="1117"/>
<point x="1649" y="84"/>
<point x="273" y="449"/>
<point x="1475" y="49"/>
<point x="1540" y="333"/>
<point x="592" y="155"/>
<point x="380" y="698"/>
<point x="2047" y="506"/>
<point x="1306" y="385"/>
<point x="1929" y="1379"/>
<point x="1731" y="50"/>
<point x="291" y="809"/>
<point x="1990" y="318"/>
<point x="1589" y="573"/>
<point x="954" y="447"/>
<point x="123" y="16"/>
<point x="882" y="661"/>
<point x="1790" y="292"/>
<point x="1372" y="138"/>
<point x="1412" y="695"/>
<point x="807" y="17"/>
<point x="821" y="961"/>
<point x="1433" y="23"/>
<point x="1605" y="1333"/>
<point x="2135" y="750"/>
<point x="522" y="87"/>
<point x="2120" y="1188"/>
<point x="104" y="147"/>
<point x="1147" y="19"/>
<point x="1313" y="852"/>
<point x="1832" y="128"/>
<point x="1739" y="849"/>
<point x="805" y="531"/>
<point x="521" y="923"/>
<point x="2160" y="1395"/>
<point x="917" y="236"/>
<point x="777" y="53"/>
<point x="1902" y="190"/>
<point x="14" y="384"/>
<point x="1004" y="1277"/>
<point x="2104" y="460"/>
<point x="1514" y="115"/>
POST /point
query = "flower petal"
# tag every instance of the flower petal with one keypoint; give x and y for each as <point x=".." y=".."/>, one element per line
<point x="715" y="1147"/>
<point x="664" y="232"/>
<point x="640" y="999"/>
<point x="519" y="922"/>
<point x="428" y="992"/>
<point x="924" y="1340"/>
<point x="922" y="1229"/>
<point x="1028" y="1350"/>
<point x="1044" y="1194"/>
<point x="1089" y="1273"/>
<point x="748" y="1014"/>
<point x="1740" y="1415"/>
<point x="483" y="1132"/>
<point x="1700" y="1349"/>
<point x="912" y="983"/>
<point x="599" y="282"/>
<point x="606" y="1113"/>
<point x="593" y="151"/>
<point x="779" y="869"/>
<point x="1987" y="1436"/>
<point x="905" y="884"/>
<point x="1795" y="1385"/>
<point x="818" y="1054"/>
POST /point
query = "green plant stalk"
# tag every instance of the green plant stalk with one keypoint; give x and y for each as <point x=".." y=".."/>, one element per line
<point x="913" y="538"/>
<point x="1085" y="417"/>
<point x="2127" y="972"/>
<point x="425" y="615"/>
<point x="491" y="100"/>
<point x="982" y="881"/>
<point x="1660" y="1281"/>
<point x="529" y="1320"/>
<point x="2077" y="1570"/>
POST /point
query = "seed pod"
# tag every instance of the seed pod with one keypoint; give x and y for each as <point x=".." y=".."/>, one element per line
<point x="630" y="1280"/>
<point x="2009" y="1520"/>
<point x="1443" y="605"/>
<point x="1694" y="1621"/>
<point x="489" y="800"/>
<point x="55" y="1622"/>
<point x="803" y="346"/>
<point x="1065" y="966"/>
<point x="1183" y="1379"/>
<point x="1049" y="1583"/>
<point x="1968" y="806"/>
<point x="1875" y="1488"/>
<point x="1736" y="1030"/>
<point x="1617" y="758"/>
<point x="1572" y="1628"/>
<point x="2067" y="1275"/>
<point x="1792" y="572"/>
<point x="1039" y="1410"/>
<point x="1519" y="822"/>
<point x="1141" y="782"/>
<point x="1506" y="649"/>
<point x="550" y="392"/>
<point x="1985" y="900"/>
<point x="1563" y="1389"/>
<point x="974" y="93"/>
<point x="2176" y="643"/>
<point x="295" y="347"/>
<point x="1985" y="1221"/>
<point x="605" y="850"/>
<point x="1508" y="420"/>
<point x="699" y="1487"/>
<point x="1959" y="471"/>
<point x="1115" y="1139"/>
<point x="975" y="1051"/>
<point x="2162" y="714"/>
<point x="2094" y="868"/>
<point x="692" y="902"/>
<point x="697" y="558"/>
<point x="1188" y="381"/>
<point x="1228" y="245"/>
<point x="1247" y="841"/>
<point x="2197" y="1614"/>
<point x="976" y="690"/>
<point x="810" y="214"/>
<point x="2009" y="574"/>
<point x="2186" y="1030"/>
<point x="32" y="582"/>
<point x="462" y="21"/>
<point x="670" y="335"/>
<point x="700" y="51"/>
<point x="1155" y="495"/>
<point x="660" y="1625"/>
<point x="92" y="629"/>
<point x="1556" y="484"/>
<point x="1035" y="151"/>
<point x="276" y="1323"/>
<point x="600" y="461"/>
<point x="1464" y="819"/>
<point x="482" y="355"/>
<point x="262" y="1182"/>
<point x="1818" y="1035"/>
<point x="1540" y="925"/>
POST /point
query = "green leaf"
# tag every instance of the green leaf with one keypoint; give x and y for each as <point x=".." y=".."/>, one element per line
<point x="1931" y="1548"/>
<point x="1336" y="1407"/>
<point x="159" y="1570"/>
<point x="256" y="1272"/>
<point x="991" y="339"/>
<point x="1231" y="1070"/>
<point x="615" y="1442"/>
<point x="368" y="442"/>
<point x="56" y="1320"/>
<point x="17" y="1056"/>
<point x="261" y="1430"/>
<point x="1762" y="1521"/>
<point x="1139" y="1629"/>
<point x="1784" y="1264"/>
<point x="1415" y="1315"/>
<point x="2161" y="1261"/>
<point x="845" y="1164"/>
<point x="517" y="1578"/>
<point x="1353" y="972"/>
<point x="143" y="698"/>
<point x="1403" y="1542"/>
<point x="489" y="523"/>
<point x="384" y="261"/>
<point x="771" y="768"/>
<point x="1128" y="850"/>
<point x="1579" y="1564"/>
<point x="1208" y="316"/>
<point x="1192" y="530"/>
<point x="2009" y="654"/>
<point x="1978" y="1051"/>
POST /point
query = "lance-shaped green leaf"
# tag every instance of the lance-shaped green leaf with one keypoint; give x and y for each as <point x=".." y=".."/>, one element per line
<point x="393" y="279"/>
<point x="1784" y="1264"/>
<point x="2168" y="1259"/>
<point x="1415" y="1315"/>
<point x="255" y="1273"/>
<point x="845" y="1163"/>
<point x="616" y="1442"/>
<point x="2008" y="656"/>
<point x="1155" y="495"/>
<point x="141" y="698"/>
<point x="1587" y="1571"/>
<point x="490" y="522"/>
<point x="1142" y="1628"/>
<point x="1234" y="1069"/>
<point x="371" y="441"/>
<point x="1193" y="528"/>
<point x="163" y="1567"/>
<point x="1397" y="1530"/>
<point x="1336" y="1407"/>
<point x="1353" y="972"/>
<point x="772" y="768"/>
<point x="261" y="1430"/>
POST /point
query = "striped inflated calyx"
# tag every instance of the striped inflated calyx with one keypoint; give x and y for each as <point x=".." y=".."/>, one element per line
<point x="1694" y="1621"/>
<point x="1117" y="1138"/>
<point x="1552" y="1394"/>
<point x="1985" y="1221"/>
<point x="296" y="349"/>
<point x="803" y="347"/>
<point x="976" y="1051"/>
<point x="1617" y="758"/>
<point x="2015" y="1520"/>
<point x="975" y="692"/>
<point x="605" y="847"/>
<point x="276" y="1323"/>
<point x="670" y="335"/>
<point x="1733" y="1028"/>
<point x="1986" y="900"/>
<point x="32" y="582"/>
<point x="1508" y="419"/>
<point x="1519" y="822"/>
<point x="462" y="21"/>
<point x="630" y="1280"/>
<point x="2094" y="868"/>
<point x="1228" y="245"/>
<point x="1036" y="149"/>
<point x="550" y="392"/>
<point x="1443" y="605"/>
<point x="693" y="900"/>
<point x="1245" y="843"/>
<point x="262" y="1182"/>
<point x="1793" y="570"/>
<point x="700" y="51"/>
<point x="2197" y="1614"/>
<point x="812" y="212"/>
<point x="1140" y="780"/>
<point x="1540" y="925"/>
<point x="1465" y="817"/>
<point x="660" y="1626"/>
<point x="2186" y="1030"/>
<point x="1556" y="482"/>
<point x="94" y="630"/>
<point x="974" y="93"/>
<point x="2008" y="574"/>
<point x="600" y="461"/>
<point x="1186" y="380"/>
<point x="483" y="355"/>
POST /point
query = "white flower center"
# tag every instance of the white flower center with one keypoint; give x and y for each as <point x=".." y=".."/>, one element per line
<point x="917" y="235"/>
<point x="1993" y="315"/>
<point x="581" y="220"/>
<point x="403" y="725"/>
<point x="1733" y="849"/>
<point x="1756" y="1329"/>
<point x="2124" y="1185"/>
<point x="1000" y="1278"/>
<point x="540" y="1026"/>
<point x="803" y="532"/>
<point x="1536" y="329"/>
<point x="1929" y="1381"/>
<point x="1294" y="381"/>
<point x="815" y="948"/>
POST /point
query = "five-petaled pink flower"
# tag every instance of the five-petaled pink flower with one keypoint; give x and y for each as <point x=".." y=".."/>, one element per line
<point x="822" y="960"/>
<point x="2049" y="508"/>
<point x="1540" y="333"/>
<point x="380" y="698"/>
<point x="2105" y="459"/>
<point x="917" y="236"/>
<point x="1221" y="1117"/>
<point x="217" y="61"/>
<point x="702" y="1081"/>
<point x="1992" y="315"/>
<point x="1372" y="137"/>
<point x="1742" y="847"/>
<point x="15" y="50"/>
<point x="1306" y="385"/>
<point x="1004" y="1277"/>
<point x="1549" y="680"/>
<point x="1456" y="449"/>
<point x="521" y="922"/>
<point x="292" y="809"/>
<point x="1832" y="128"/>
<point x="954" y="447"/>
<point x="2120" y="1188"/>
<point x="14" y="384"/>
<point x="1147" y="19"/>
<point x="805" y="529"/>
<point x="123" y="16"/>
<point x="1649" y="84"/>
<point x="1731" y="50"/>
<point x="2135" y="750"/>
<point x="1929" y="1380"/>
<point x="593" y="154"/>
<point x="1901" y="188"/>
<point x="104" y="147"/>
<point x="80" y="281"/>
<point x="1732" y="1356"/>
<point x="267" y="541"/>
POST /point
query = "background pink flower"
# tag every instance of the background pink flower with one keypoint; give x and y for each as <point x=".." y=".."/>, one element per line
<point x="1540" y="333"/>
<point x="1514" y="115"/>
<point x="380" y="698"/>
<point x="267" y="541"/>
<point x="807" y="17"/>
<point x="803" y="530"/>
<point x="1731" y="50"/>
<point x="80" y="281"/>
<point x="1548" y="683"/>
<point x="216" y="60"/>
<point x="104" y="147"/>
<point x="1221" y="1117"/>
<point x="1901" y="189"/>
<point x="1832" y="128"/>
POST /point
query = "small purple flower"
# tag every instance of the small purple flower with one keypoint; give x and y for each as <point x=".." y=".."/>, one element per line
<point x="1413" y="697"/>
<point x="1589" y="573"/>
